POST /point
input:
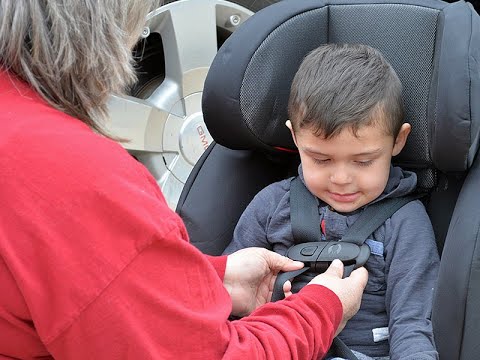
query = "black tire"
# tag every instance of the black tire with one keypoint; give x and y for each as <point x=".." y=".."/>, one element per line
<point x="255" y="5"/>
<point x="476" y="5"/>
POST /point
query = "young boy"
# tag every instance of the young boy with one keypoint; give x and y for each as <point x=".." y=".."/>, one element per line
<point x="346" y="119"/>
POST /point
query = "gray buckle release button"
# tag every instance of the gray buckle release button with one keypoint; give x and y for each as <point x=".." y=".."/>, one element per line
<point x="309" y="250"/>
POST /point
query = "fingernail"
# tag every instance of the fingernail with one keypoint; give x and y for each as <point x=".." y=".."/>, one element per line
<point x="337" y="263"/>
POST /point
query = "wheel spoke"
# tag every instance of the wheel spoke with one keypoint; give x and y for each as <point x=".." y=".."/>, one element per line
<point x="171" y="188"/>
<point x="188" y="31"/>
<point x="138" y="122"/>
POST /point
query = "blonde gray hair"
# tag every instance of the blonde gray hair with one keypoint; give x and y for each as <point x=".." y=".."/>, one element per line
<point x="75" y="53"/>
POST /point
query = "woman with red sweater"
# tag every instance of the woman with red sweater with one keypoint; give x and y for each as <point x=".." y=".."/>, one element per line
<point x="93" y="264"/>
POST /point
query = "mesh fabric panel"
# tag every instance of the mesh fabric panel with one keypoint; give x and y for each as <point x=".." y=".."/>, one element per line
<point x="299" y="35"/>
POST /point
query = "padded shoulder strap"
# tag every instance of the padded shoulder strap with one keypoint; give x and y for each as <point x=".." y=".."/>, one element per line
<point x="304" y="215"/>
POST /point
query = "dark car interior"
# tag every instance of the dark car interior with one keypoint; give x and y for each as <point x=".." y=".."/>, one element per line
<point x="434" y="47"/>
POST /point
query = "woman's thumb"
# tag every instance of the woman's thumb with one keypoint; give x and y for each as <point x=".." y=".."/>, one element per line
<point x="335" y="269"/>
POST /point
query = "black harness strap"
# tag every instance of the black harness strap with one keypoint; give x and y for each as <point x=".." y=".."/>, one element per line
<point x="304" y="215"/>
<point x="373" y="216"/>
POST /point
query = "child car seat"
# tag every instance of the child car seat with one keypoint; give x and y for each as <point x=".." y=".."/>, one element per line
<point x="434" y="47"/>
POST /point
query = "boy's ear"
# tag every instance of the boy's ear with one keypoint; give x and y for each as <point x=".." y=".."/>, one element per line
<point x="401" y="138"/>
<point x="288" y="123"/>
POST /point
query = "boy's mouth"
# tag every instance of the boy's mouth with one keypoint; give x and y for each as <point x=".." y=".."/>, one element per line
<point x="344" y="197"/>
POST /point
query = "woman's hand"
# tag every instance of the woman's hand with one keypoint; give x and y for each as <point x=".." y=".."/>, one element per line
<point x="250" y="275"/>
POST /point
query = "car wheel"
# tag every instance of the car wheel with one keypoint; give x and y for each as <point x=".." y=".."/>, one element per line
<point x="162" y="118"/>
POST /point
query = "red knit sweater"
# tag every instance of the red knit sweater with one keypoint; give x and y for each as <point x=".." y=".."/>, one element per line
<point x="93" y="264"/>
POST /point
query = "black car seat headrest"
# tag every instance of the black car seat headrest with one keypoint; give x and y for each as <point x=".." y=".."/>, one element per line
<point x="433" y="46"/>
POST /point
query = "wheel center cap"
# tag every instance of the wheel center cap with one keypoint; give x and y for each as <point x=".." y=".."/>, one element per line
<point x="194" y="138"/>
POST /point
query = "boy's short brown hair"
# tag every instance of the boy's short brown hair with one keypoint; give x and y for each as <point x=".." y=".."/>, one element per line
<point x="345" y="85"/>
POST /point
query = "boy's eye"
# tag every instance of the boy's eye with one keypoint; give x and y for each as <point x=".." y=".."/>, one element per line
<point x="320" y="161"/>
<point x="364" y="162"/>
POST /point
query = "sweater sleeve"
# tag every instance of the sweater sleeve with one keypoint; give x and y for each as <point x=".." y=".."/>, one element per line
<point x="412" y="261"/>
<point x="219" y="263"/>
<point x="168" y="303"/>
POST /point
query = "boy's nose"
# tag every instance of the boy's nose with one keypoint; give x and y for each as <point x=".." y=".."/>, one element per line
<point x="340" y="177"/>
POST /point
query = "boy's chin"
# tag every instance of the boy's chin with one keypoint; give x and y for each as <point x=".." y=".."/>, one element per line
<point x="344" y="208"/>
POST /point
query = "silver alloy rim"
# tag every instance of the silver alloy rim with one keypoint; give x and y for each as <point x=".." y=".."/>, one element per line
<point x="166" y="131"/>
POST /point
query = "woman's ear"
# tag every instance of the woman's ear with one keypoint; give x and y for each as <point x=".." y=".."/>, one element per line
<point x="401" y="138"/>
<point x="288" y="123"/>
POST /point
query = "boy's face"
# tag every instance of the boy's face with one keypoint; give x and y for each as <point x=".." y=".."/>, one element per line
<point x="348" y="171"/>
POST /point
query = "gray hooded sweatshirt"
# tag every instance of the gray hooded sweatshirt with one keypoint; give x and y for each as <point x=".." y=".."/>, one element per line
<point x="394" y="317"/>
